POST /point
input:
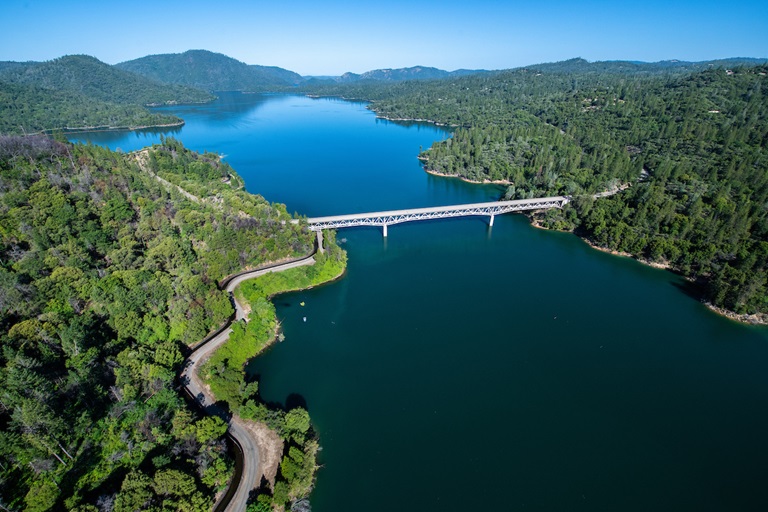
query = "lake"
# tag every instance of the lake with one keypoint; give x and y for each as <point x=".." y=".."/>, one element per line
<point x="461" y="367"/>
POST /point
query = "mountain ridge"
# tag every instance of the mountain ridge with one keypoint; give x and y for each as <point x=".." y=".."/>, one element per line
<point x="580" y="65"/>
<point x="84" y="74"/>
<point x="210" y="71"/>
<point x="574" y="65"/>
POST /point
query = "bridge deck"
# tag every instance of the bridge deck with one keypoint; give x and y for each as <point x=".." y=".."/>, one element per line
<point x="435" y="212"/>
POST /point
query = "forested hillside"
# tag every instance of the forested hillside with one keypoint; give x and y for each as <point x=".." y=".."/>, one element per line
<point x="403" y="74"/>
<point x="211" y="72"/>
<point x="691" y="144"/>
<point x="31" y="109"/>
<point x="106" y="274"/>
<point x="89" y="76"/>
<point x="78" y="92"/>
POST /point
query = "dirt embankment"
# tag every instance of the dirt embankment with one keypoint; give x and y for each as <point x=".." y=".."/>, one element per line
<point x="270" y="448"/>
<point x="484" y="182"/>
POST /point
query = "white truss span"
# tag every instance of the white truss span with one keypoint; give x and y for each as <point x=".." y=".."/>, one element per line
<point x="385" y="219"/>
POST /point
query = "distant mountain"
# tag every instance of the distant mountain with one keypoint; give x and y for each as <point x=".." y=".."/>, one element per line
<point x="211" y="72"/>
<point x="88" y="76"/>
<point x="347" y="77"/>
<point x="8" y="65"/>
<point x="399" y="75"/>
<point x="579" y="65"/>
<point x="402" y="74"/>
<point x="466" y="72"/>
<point x="285" y="76"/>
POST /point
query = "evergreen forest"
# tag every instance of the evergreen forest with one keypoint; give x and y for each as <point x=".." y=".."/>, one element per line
<point x="78" y="92"/>
<point x="209" y="71"/>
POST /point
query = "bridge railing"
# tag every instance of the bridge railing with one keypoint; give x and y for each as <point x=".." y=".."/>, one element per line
<point x="390" y="217"/>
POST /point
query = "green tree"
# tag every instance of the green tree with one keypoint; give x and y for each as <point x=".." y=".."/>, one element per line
<point x="210" y="427"/>
<point x="41" y="496"/>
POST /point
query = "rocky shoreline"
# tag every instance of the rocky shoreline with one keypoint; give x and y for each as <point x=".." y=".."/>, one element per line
<point x="412" y="120"/>
<point x="752" y="319"/>
<point x="105" y="128"/>
<point x="484" y="182"/>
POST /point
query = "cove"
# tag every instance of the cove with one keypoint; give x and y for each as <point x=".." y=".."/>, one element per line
<point x="457" y="367"/>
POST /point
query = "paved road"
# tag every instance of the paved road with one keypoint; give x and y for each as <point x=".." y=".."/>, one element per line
<point x="251" y="474"/>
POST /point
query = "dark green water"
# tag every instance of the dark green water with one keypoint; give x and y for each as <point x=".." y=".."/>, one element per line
<point x="458" y="367"/>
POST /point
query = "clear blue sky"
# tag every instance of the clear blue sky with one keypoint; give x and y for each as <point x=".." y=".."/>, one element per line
<point x="316" y="37"/>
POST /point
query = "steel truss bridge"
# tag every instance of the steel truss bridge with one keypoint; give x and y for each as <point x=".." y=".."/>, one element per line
<point x="387" y="218"/>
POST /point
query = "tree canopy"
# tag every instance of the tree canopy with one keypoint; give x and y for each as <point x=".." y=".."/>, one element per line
<point x="106" y="274"/>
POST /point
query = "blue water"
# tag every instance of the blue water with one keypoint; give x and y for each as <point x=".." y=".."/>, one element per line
<point x="459" y="367"/>
<point x="316" y="156"/>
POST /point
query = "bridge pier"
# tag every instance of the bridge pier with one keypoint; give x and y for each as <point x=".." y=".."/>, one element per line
<point x="491" y="222"/>
<point x="320" y="241"/>
<point x="385" y="230"/>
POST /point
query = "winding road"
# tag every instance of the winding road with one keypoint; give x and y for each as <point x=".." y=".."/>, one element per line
<point x="235" y="499"/>
<point x="250" y="477"/>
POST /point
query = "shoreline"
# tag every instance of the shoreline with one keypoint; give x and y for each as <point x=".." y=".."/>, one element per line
<point x="247" y="307"/>
<point x="644" y="261"/>
<point x="107" y="128"/>
<point x="743" y="318"/>
<point x="269" y="446"/>
<point x="259" y="447"/>
<point x="101" y="129"/>
<point x="411" y="120"/>
<point x="467" y="180"/>
<point x="380" y="115"/>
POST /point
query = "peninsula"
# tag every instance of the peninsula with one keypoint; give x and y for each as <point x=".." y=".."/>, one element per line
<point x="112" y="274"/>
